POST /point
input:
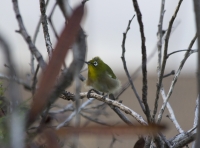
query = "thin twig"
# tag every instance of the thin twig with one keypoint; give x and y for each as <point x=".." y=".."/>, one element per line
<point x="77" y="106"/>
<point x="37" y="31"/>
<point x="187" y="54"/>
<point x="50" y="21"/>
<point x="112" y="142"/>
<point x="122" y="116"/>
<point x="69" y="107"/>
<point x="197" y="18"/>
<point x="144" y="61"/>
<point x="159" y="46"/>
<point x="35" y="79"/>
<point x="175" y="123"/>
<point x="19" y="81"/>
<point x="125" y="67"/>
<point x="118" y="112"/>
<point x="34" y="40"/>
<point x="38" y="26"/>
<point x="160" y="78"/>
<point x="169" y="74"/>
<point x="26" y="37"/>
<point x="45" y="27"/>
<point x="196" y="115"/>
<point x="32" y="68"/>
<point x="74" y="113"/>
<point x="136" y="73"/>
<point x="180" y="51"/>
<point x="94" y="120"/>
<point x="171" y="112"/>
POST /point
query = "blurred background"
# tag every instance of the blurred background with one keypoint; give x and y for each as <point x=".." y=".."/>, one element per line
<point x="104" y="23"/>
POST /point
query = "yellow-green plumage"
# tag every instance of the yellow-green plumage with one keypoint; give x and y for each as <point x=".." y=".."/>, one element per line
<point x="101" y="76"/>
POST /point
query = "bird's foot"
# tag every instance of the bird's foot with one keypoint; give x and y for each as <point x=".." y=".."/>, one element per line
<point x="90" y="91"/>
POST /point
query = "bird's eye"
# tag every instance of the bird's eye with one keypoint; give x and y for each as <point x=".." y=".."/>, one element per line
<point x="95" y="63"/>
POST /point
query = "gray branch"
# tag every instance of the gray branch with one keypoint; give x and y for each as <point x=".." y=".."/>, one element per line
<point x="45" y="27"/>
<point x="187" y="54"/>
<point x="160" y="78"/>
<point x="27" y="38"/>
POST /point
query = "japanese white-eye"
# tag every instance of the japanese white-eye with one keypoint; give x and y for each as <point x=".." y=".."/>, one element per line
<point x="101" y="76"/>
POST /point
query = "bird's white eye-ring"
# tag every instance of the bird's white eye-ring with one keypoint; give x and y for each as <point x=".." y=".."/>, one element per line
<point x="95" y="63"/>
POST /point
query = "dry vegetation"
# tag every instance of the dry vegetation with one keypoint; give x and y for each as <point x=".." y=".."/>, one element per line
<point x="41" y="122"/>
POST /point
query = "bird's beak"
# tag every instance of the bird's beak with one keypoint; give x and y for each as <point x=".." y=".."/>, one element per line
<point x="87" y="62"/>
<point x="84" y="61"/>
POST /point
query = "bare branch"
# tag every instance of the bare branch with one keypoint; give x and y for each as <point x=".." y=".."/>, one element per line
<point x="197" y="17"/>
<point x="144" y="60"/>
<point x="122" y="116"/>
<point x="94" y="120"/>
<point x="26" y="37"/>
<point x="118" y="105"/>
<point x="175" y="123"/>
<point x="136" y="73"/>
<point x="118" y="112"/>
<point x="74" y="113"/>
<point x="69" y="107"/>
<point x="35" y="79"/>
<point x="159" y="46"/>
<point x="45" y="27"/>
<point x="19" y="81"/>
<point x="183" y="138"/>
<point x="196" y="115"/>
<point x="169" y="74"/>
<point x="192" y="51"/>
<point x="50" y="21"/>
<point x="125" y="67"/>
<point x="187" y="54"/>
<point x="37" y="30"/>
<point x="171" y="112"/>
<point x="160" y="78"/>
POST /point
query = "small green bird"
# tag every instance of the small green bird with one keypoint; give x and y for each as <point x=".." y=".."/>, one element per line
<point x="101" y="76"/>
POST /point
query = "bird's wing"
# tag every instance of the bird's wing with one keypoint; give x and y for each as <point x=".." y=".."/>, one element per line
<point x="110" y="72"/>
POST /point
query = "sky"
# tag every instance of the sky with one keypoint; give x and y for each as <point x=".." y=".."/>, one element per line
<point x="104" y="24"/>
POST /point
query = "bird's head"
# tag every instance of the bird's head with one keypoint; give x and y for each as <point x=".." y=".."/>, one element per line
<point x="96" y="65"/>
